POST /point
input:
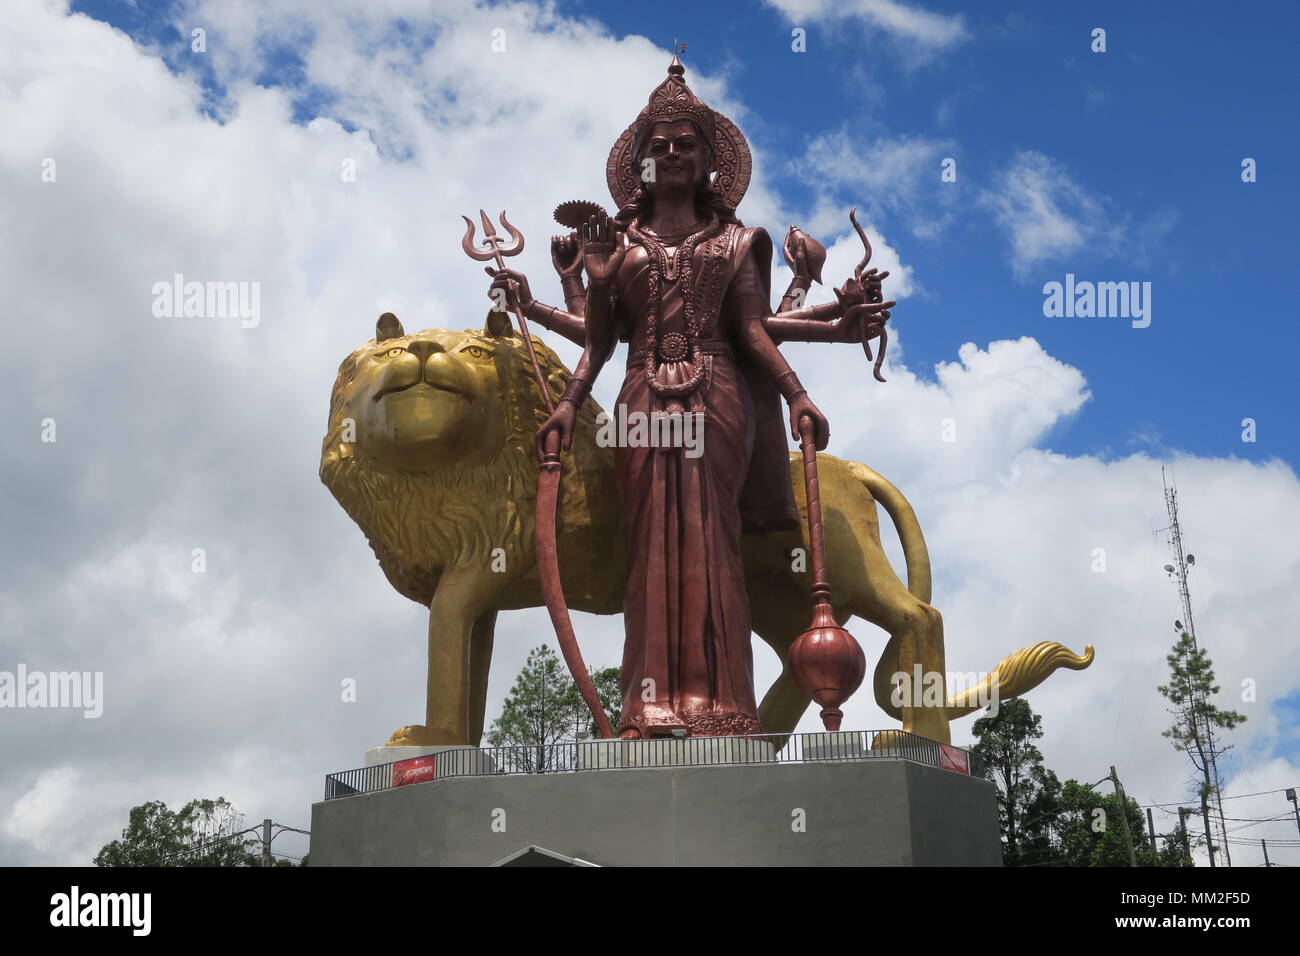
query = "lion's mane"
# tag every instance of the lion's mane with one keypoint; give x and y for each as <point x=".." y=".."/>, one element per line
<point x="417" y="523"/>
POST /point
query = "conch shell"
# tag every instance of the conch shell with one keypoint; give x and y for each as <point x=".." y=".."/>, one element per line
<point x="814" y="252"/>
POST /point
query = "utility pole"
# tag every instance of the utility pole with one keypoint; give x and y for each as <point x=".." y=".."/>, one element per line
<point x="1151" y="829"/>
<point x="1295" y="808"/>
<point x="1123" y="816"/>
<point x="266" y="842"/>
<point x="1264" y="844"/>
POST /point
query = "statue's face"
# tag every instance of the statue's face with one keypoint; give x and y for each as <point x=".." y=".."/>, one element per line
<point x="680" y="156"/>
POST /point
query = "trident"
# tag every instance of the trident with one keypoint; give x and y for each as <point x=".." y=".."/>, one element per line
<point x="548" y="477"/>
<point x="495" y="247"/>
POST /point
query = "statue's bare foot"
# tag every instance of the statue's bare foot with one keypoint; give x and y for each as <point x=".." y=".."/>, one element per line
<point x="418" y="735"/>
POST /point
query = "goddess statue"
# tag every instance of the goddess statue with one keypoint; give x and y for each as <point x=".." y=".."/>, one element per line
<point x="686" y="284"/>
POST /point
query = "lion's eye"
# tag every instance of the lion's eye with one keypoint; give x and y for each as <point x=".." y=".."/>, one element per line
<point x="475" y="351"/>
<point x="397" y="351"/>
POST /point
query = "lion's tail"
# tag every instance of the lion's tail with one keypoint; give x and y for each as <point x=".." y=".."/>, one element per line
<point x="915" y="553"/>
<point x="1017" y="674"/>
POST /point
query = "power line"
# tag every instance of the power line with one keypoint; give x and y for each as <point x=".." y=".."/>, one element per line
<point x="265" y="838"/>
<point x="1238" y="796"/>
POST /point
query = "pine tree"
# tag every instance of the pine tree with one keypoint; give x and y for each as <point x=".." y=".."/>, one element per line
<point x="544" y="707"/>
<point x="1190" y="689"/>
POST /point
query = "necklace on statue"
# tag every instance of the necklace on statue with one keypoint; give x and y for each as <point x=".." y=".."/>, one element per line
<point x="673" y="347"/>
<point x="675" y="236"/>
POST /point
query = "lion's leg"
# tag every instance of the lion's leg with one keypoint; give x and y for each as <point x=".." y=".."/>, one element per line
<point x="462" y="595"/>
<point x="780" y="610"/>
<point x="480" y="663"/>
<point x="915" y="648"/>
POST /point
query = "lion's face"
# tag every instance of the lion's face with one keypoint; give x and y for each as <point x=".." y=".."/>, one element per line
<point x="429" y="447"/>
<point x="427" y="401"/>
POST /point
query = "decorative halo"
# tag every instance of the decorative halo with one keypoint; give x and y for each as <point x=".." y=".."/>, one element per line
<point x="731" y="160"/>
<point x="575" y="213"/>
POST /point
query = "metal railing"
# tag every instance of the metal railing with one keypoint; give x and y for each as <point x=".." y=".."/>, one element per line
<point x="596" y="755"/>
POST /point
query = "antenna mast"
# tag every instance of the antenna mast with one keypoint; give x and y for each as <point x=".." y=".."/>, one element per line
<point x="1216" y="827"/>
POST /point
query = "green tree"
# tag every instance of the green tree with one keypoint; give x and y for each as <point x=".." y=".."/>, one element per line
<point x="1089" y="831"/>
<point x="1174" y="852"/>
<point x="544" y="707"/>
<point x="1027" y="791"/>
<point x="201" y="833"/>
<point x="608" y="688"/>
<point x="1190" y="689"/>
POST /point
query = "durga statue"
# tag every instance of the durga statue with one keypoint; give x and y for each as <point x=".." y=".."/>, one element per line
<point x="678" y="276"/>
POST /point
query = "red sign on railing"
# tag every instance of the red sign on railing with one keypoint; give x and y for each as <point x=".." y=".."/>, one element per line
<point x="414" y="770"/>
<point x="954" y="758"/>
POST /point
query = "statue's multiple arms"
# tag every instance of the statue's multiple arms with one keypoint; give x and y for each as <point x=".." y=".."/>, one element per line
<point x="603" y="253"/>
<point x="857" y="313"/>
<point x="750" y="307"/>
<point x="566" y="256"/>
<point x="796" y="249"/>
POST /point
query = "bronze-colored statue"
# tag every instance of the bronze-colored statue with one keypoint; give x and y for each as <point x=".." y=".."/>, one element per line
<point x="694" y="550"/>
<point x="680" y="278"/>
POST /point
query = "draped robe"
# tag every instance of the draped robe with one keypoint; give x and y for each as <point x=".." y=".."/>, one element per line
<point x="687" y="660"/>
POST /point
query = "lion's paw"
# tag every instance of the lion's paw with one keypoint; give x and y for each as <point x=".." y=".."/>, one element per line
<point x="418" y="735"/>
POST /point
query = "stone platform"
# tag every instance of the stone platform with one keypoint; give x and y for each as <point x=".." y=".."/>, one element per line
<point x="833" y="811"/>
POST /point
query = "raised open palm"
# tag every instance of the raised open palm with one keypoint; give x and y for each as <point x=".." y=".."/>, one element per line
<point x="603" y="250"/>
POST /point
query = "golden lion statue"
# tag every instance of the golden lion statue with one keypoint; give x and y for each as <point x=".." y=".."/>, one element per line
<point x="430" y="451"/>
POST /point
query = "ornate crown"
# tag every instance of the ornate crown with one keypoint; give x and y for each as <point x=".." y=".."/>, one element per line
<point x="672" y="100"/>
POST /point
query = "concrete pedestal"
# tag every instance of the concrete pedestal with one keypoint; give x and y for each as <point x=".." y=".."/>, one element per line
<point x="673" y="752"/>
<point x="839" y="745"/>
<point x="877" y="811"/>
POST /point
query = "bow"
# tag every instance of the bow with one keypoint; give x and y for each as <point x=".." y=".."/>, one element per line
<point x="548" y="480"/>
<point x="857" y="277"/>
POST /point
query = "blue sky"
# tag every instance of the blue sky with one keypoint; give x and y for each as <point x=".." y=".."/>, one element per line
<point x="1154" y="129"/>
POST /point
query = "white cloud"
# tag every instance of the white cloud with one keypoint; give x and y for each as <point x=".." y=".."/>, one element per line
<point x="901" y="20"/>
<point x="1049" y="218"/>
<point x="1047" y="215"/>
<point x="886" y="174"/>
<point x="40" y="816"/>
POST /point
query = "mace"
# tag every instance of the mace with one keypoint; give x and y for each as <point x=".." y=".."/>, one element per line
<point x="826" y="660"/>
